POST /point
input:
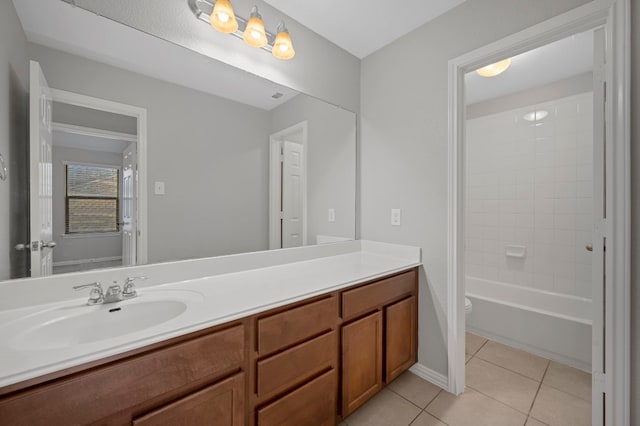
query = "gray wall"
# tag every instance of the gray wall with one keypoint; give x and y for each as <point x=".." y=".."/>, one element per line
<point x="94" y="119"/>
<point x="404" y="140"/>
<point x="14" y="78"/>
<point x="635" y="212"/>
<point x="213" y="164"/>
<point x="85" y="247"/>
<point x="331" y="159"/>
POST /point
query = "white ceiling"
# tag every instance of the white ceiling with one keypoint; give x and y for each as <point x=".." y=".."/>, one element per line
<point x="555" y="61"/>
<point x="363" y="26"/>
<point x="59" y="25"/>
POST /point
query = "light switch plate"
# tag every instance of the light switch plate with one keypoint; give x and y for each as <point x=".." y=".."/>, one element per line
<point x="332" y="215"/>
<point x="395" y="217"/>
<point x="158" y="188"/>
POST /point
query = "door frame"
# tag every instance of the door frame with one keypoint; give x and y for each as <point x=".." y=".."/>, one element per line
<point x="275" y="193"/>
<point x="140" y="114"/>
<point x="614" y="16"/>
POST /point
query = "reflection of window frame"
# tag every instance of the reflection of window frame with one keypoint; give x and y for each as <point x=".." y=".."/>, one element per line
<point x="87" y="197"/>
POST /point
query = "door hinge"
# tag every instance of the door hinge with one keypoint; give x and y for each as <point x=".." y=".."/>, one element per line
<point x="600" y="381"/>
<point x="281" y="215"/>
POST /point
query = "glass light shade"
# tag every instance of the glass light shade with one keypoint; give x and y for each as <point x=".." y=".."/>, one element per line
<point x="254" y="34"/>
<point x="494" y="69"/>
<point x="222" y="18"/>
<point x="283" y="47"/>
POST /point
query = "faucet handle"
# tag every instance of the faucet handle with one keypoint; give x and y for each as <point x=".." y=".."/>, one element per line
<point x="129" y="290"/>
<point x="96" y="296"/>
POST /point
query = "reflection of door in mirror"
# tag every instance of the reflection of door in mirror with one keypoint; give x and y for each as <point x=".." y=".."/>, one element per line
<point x="93" y="184"/>
<point x="128" y="208"/>
<point x="40" y="173"/>
<point x="288" y="187"/>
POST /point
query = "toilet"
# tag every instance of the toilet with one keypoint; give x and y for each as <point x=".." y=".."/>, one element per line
<point x="467" y="308"/>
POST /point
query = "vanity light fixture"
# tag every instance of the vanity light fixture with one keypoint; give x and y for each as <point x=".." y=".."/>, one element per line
<point x="220" y="14"/>
<point x="492" y="70"/>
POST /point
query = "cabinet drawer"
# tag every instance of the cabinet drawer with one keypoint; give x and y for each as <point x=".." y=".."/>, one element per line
<point x="97" y="394"/>
<point x="312" y="404"/>
<point x="297" y="364"/>
<point x="372" y="296"/>
<point x="219" y="404"/>
<point x="287" y="328"/>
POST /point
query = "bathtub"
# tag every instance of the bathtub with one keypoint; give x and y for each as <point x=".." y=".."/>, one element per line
<point x="552" y="325"/>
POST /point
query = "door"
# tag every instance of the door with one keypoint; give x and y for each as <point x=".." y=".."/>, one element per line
<point x="597" y="247"/>
<point x="40" y="173"/>
<point x="292" y="187"/>
<point x="129" y="204"/>
<point x="400" y="346"/>
<point x="361" y="361"/>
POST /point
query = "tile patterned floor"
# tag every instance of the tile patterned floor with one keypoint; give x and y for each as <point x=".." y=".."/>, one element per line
<point x="505" y="386"/>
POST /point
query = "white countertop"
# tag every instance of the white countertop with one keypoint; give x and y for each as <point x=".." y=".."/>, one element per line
<point x="212" y="300"/>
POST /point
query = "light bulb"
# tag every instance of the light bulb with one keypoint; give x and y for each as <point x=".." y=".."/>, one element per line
<point x="222" y="18"/>
<point x="283" y="47"/>
<point x="254" y="34"/>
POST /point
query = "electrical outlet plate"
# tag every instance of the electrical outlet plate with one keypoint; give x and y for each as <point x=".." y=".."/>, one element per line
<point x="395" y="217"/>
<point x="158" y="188"/>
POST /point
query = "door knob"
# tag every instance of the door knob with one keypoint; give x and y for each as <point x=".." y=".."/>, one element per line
<point x="589" y="247"/>
<point x="50" y="244"/>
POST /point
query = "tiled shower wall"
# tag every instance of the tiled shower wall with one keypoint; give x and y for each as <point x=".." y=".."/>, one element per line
<point x="530" y="184"/>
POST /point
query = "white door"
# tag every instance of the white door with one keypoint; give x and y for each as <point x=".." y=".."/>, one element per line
<point x="598" y="240"/>
<point x="129" y="204"/>
<point x="292" y="187"/>
<point x="40" y="173"/>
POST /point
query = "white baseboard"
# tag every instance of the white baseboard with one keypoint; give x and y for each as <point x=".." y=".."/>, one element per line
<point x="85" y="261"/>
<point x="430" y="375"/>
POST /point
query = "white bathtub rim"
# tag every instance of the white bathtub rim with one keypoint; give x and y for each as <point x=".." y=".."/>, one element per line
<point x="580" y="309"/>
<point x="532" y="309"/>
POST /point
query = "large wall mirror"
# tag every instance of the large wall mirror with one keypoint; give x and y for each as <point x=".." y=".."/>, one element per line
<point x="139" y="162"/>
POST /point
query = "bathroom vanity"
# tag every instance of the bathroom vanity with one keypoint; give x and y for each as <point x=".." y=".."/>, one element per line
<point x="338" y="328"/>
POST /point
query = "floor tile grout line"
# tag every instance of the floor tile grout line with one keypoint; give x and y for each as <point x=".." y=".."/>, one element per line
<point x="539" y="387"/>
<point x="413" y="403"/>
<point x="498" y="401"/>
<point x="513" y="371"/>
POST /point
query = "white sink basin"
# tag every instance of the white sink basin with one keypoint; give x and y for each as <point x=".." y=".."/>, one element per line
<point x="67" y="326"/>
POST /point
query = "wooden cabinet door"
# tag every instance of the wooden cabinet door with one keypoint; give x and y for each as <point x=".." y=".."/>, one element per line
<point x="221" y="404"/>
<point x="361" y="361"/>
<point x="400" y="337"/>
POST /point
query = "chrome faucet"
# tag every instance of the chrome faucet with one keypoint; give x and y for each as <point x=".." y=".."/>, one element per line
<point x="130" y="288"/>
<point x="96" y="296"/>
<point x="114" y="293"/>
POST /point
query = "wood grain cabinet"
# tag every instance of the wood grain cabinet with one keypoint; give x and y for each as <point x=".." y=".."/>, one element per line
<point x="286" y="366"/>
<point x="221" y="404"/>
<point x="296" y="358"/>
<point x="379" y="346"/>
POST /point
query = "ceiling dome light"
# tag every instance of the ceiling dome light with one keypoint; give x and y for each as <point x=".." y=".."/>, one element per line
<point x="283" y="47"/>
<point x="222" y="18"/>
<point x="254" y="34"/>
<point x="536" y="115"/>
<point x="494" y="69"/>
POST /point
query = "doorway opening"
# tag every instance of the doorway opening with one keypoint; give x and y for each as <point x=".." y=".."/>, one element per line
<point x="288" y="187"/>
<point x="88" y="181"/>
<point x="608" y="190"/>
